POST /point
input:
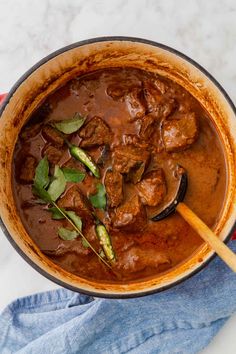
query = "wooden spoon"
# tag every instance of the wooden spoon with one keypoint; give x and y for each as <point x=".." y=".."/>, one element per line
<point x="195" y="222"/>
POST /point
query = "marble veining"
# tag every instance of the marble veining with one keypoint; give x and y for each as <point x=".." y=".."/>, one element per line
<point x="31" y="29"/>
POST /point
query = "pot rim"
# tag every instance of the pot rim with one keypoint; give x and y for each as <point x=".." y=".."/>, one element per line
<point x="45" y="60"/>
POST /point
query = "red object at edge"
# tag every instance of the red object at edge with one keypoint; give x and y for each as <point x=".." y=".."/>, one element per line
<point x="2" y="96"/>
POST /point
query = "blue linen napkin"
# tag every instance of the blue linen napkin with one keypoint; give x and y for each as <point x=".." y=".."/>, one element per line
<point x="180" y="320"/>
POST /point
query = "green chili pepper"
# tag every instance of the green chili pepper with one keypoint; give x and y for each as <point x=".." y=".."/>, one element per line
<point x="105" y="242"/>
<point x="83" y="157"/>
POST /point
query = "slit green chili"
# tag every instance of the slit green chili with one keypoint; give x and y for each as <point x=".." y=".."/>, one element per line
<point x="105" y="242"/>
<point x="83" y="157"/>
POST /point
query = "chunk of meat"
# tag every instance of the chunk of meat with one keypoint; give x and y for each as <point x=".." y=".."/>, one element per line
<point x="30" y="131"/>
<point x="160" y="85"/>
<point x="152" y="95"/>
<point x="74" y="164"/>
<point x="167" y="107"/>
<point x="95" y="132"/>
<point x="136" y="259"/>
<point x="89" y="85"/>
<point x="116" y="91"/>
<point x="133" y="139"/>
<point x="130" y="160"/>
<point x="130" y="139"/>
<point x="114" y="188"/>
<point x="185" y="106"/>
<point x="135" y="103"/>
<point x="152" y="188"/>
<point x="54" y="154"/>
<point x="75" y="200"/>
<point x="130" y="216"/>
<point x="67" y="247"/>
<point x="157" y="104"/>
<point x="27" y="170"/>
<point x="53" y="136"/>
<point x="99" y="154"/>
<point x="179" y="133"/>
<point x="147" y="127"/>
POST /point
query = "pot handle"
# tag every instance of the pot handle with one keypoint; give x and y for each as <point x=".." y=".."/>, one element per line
<point x="2" y="97"/>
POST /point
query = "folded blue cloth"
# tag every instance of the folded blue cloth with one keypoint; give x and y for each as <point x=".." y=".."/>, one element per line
<point x="181" y="320"/>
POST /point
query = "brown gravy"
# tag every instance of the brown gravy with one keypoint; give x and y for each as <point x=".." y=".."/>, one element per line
<point x="118" y="97"/>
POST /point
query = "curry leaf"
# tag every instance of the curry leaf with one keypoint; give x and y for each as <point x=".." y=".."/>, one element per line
<point x="75" y="218"/>
<point x="85" y="243"/>
<point x="98" y="200"/>
<point x="41" y="193"/>
<point x="69" y="126"/>
<point x="56" y="214"/>
<point x="41" y="178"/>
<point x="58" y="185"/>
<point x="38" y="201"/>
<point x="102" y="254"/>
<point x="73" y="175"/>
<point x="67" y="234"/>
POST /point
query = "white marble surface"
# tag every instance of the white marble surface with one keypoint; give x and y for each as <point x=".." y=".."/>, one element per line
<point x="31" y="29"/>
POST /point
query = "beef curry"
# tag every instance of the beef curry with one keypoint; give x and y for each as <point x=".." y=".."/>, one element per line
<point x="99" y="158"/>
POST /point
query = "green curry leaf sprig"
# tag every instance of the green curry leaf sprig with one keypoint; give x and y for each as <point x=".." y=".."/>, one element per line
<point x="49" y="191"/>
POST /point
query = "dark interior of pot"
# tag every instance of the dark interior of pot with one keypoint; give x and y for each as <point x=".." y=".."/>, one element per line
<point x="147" y="111"/>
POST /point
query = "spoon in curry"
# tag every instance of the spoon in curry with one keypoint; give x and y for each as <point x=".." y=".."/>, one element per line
<point x="195" y="222"/>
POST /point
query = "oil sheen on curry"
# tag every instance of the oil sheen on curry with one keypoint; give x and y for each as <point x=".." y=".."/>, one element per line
<point x="97" y="161"/>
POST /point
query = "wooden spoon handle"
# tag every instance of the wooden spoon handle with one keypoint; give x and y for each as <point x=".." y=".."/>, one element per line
<point x="203" y="230"/>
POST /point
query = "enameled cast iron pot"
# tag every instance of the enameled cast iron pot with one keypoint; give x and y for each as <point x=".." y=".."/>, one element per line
<point x="80" y="58"/>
